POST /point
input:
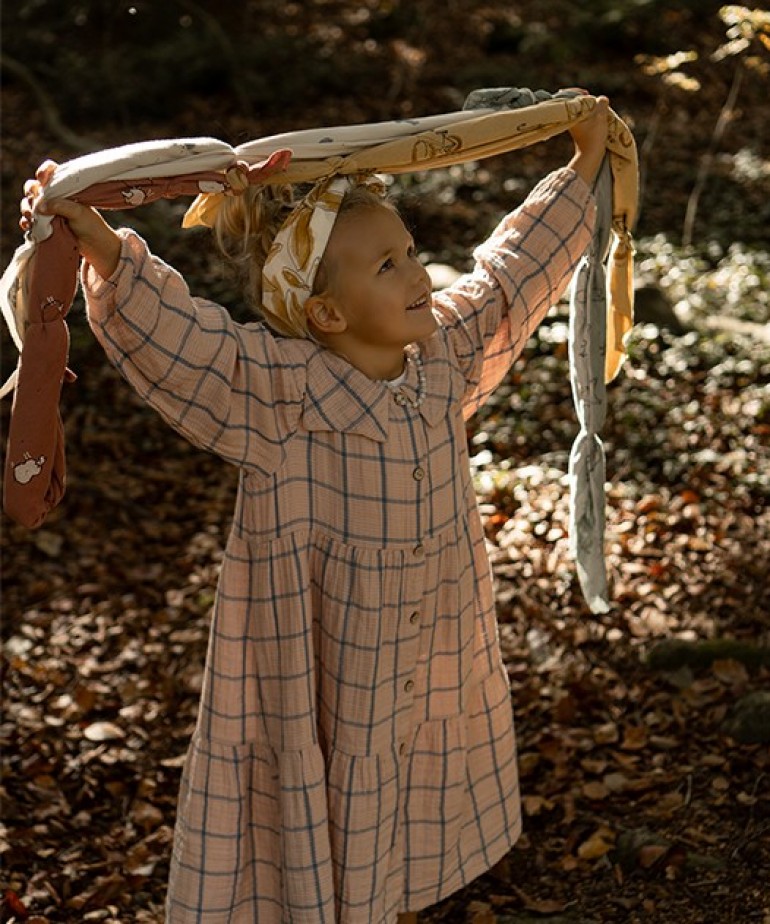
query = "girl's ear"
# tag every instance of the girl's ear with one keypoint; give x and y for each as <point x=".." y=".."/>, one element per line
<point x="323" y="312"/>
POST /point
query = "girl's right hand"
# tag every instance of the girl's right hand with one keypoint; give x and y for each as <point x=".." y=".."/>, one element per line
<point x="97" y="241"/>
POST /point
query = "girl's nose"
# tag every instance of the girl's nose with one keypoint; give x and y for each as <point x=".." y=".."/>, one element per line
<point x="422" y="275"/>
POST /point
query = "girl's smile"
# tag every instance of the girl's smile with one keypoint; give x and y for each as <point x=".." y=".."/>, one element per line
<point x="378" y="298"/>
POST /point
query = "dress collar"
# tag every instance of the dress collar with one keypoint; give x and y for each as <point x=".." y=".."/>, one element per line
<point x="340" y="397"/>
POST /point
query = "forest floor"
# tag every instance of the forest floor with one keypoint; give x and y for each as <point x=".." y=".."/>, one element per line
<point x="645" y="799"/>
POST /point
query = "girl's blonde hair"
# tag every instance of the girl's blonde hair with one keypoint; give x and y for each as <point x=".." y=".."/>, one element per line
<point x="246" y="225"/>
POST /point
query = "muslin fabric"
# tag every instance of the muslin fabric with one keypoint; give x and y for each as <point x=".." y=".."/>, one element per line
<point x="587" y="340"/>
<point x="495" y="121"/>
<point x="36" y="289"/>
<point x="38" y="286"/>
<point x="354" y="754"/>
<point x="298" y="248"/>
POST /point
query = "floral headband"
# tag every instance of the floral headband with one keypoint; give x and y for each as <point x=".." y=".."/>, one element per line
<point x="298" y="248"/>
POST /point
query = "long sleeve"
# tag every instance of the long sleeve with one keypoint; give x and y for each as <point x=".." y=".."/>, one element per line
<point x="230" y="388"/>
<point x="520" y="272"/>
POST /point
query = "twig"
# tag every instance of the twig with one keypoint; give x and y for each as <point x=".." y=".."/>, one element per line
<point x="50" y="114"/>
<point x="748" y="834"/>
<point x="688" y="794"/>
<point x="708" y="158"/>
<point x="646" y="148"/>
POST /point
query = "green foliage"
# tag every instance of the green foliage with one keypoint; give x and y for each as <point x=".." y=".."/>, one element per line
<point x="732" y="283"/>
<point x="744" y="26"/>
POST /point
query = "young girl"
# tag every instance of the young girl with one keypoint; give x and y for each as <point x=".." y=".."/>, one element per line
<point x="354" y="758"/>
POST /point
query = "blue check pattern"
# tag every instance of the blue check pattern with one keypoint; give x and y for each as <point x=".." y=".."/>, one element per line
<point x="355" y="752"/>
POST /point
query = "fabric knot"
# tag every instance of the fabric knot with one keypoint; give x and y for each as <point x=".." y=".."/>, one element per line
<point x="236" y="179"/>
<point x="51" y="310"/>
<point x="625" y="243"/>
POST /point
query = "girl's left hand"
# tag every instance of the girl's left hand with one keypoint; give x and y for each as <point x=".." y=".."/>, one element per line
<point x="592" y="132"/>
<point x="590" y="138"/>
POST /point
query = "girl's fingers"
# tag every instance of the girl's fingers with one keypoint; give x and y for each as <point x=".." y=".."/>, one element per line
<point x="33" y="190"/>
<point x="45" y="171"/>
<point x="26" y="214"/>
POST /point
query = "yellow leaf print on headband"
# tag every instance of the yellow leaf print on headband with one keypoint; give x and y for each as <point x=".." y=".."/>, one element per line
<point x="297" y="250"/>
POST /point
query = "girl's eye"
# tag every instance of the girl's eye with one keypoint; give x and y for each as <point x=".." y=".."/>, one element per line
<point x="388" y="264"/>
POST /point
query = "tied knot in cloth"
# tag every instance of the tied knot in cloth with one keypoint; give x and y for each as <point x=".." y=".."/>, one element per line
<point x="38" y="287"/>
<point x="492" y="122"/>
<point x="235" y="181"/>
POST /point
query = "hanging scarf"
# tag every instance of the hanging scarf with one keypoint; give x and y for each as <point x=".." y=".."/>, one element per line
<point x="37" y="288"/>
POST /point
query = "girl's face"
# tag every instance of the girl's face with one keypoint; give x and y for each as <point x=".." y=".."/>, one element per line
<point x="378" y="285"/>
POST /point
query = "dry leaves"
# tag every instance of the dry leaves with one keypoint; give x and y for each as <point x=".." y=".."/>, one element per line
<point x="105" y="609"/>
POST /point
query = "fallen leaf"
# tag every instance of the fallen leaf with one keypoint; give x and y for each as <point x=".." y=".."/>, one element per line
<point x="146" y="815"/>
<point x="615" y="782"/>
<point x="649" y="503"/>
<point x="595" y="790"/>
<point x="49" y="543"/>
<point x="565" y="709"/>
<point x="730" y="671"/>
<point x="533" y="805"/>
<point x="597" y="845"/>
<point x="668" y="804"/>
<point x="14" y="906"/>
<point x="651" y="854"/>
<point x="593" y="765"/>
<point x="539" y="905"/>
<point x="481" y="913"/>
<point x="606" y="734"/>
<point x="634" y="738"/>
<point x="103" y="731"/>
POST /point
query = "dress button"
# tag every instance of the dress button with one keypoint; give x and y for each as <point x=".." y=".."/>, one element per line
<point x="418" y="474"/>
<point x="419" y="550"/>
<point x="414" y="617"/>
<point x="402" y="749"/>
<point x="409" y="686"/>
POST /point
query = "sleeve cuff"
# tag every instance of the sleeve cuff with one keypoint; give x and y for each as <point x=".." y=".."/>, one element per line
<point x="560" y="180"/>
<point x="101" y="293"/>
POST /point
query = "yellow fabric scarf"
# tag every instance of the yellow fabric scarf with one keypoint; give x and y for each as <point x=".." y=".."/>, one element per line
<point x="455" y="138"/>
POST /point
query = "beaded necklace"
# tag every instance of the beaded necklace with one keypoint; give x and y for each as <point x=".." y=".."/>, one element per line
<point x="402" y="397"/>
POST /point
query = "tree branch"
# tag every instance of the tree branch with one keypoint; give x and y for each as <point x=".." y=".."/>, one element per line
<point x="48" y="110"/>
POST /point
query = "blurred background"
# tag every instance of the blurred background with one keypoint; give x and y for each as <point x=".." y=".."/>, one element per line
<point x="105" y="609"/>
<point x="96" y="73"/>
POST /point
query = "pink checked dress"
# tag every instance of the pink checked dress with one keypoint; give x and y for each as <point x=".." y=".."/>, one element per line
<point x="354" y="755"/>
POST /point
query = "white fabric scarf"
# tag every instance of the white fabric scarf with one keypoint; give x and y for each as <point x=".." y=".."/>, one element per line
<point x="381" y="146"/>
